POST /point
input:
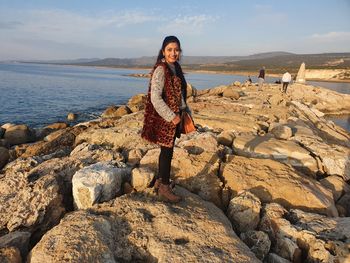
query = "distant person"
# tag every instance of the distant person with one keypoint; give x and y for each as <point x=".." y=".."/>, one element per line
<point x="286" y="79"/>
<point x="261" y="78"/>
<point x="249" y="80"/>
<point x="165" y="101"/>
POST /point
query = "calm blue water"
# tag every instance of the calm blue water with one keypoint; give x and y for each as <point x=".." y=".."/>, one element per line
<point x="38" y="95"/>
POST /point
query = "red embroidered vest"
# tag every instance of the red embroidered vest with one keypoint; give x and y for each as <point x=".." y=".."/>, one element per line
<point x="155" y="128"/>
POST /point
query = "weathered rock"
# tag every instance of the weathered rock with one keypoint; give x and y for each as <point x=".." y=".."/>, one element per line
<point x="196" y="172"/>
<point x="226" y="138"/>
<point x="288" y="249"/>
<point x="10" y="255"/>
<point x="99" y="182"/>
<point x="272" y="181"/>
<point x="17" y="239"/>
<point x="141" y="178"/>
<point x="334" y="158"/>
<point x="282" y="132"/>
<point x="138" y="228"/>
<point x="137" y="102"/>
<point x="29" y="203"/>
<point x="198" y="143"/>
<point x="80" y="237"/>
<point x="4" y="156"/>
<point x="236" y="83"/>
<point x="267" y="147"/>
<point x="134" y="156"/>
<point x="244" y="212"/>
<point x="63" y="141"/>
<point x="337" y="228"/>
<point x="19" y="134"/>
<point x="231" y="93"/>
<point x="336" y="184"/>
<point x="7" y="125"/>
<point x="114" y="111"/>
<point x="258" y="242"/>
<point x="90" y="154"/>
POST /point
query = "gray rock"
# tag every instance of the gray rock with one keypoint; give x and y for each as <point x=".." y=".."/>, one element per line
<point x="244" y="211"/>
<point x="258" y="242"/>
<point x="99" y="182"/>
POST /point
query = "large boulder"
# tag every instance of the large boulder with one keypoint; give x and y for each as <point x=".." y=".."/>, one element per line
<point x="231" y="93"/>
<point x="141" y="178"/>
<point x="272" y="181"/>
<point x="99" y="182"/>
<point x="267" y="147"/>
<point x="139" y="228"/>
<point x="282" y="132"/>
<point x="19" y="134"/>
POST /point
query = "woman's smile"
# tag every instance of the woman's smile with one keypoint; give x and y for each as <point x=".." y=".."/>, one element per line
<point x="171" y="52"/>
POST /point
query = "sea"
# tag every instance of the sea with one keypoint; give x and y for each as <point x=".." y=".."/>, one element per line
<point x="41" y="94"/>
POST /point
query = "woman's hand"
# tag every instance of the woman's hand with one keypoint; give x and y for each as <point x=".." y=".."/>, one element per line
<point x="176" y="120"/>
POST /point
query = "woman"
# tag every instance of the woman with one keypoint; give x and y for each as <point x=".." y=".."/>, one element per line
<point x="166" y="99"/>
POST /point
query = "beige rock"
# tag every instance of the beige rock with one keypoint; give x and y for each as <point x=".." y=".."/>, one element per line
<point x="7" y="125"/>
<point x="99" y="182"/>
<point x="333" y="158"/>
<point x="231" y="93"/>
<point x="10" y="255"/>
<point x="134" y="156"/>
<point x="139" y="228"/>
<point x="272" y="181"/>
<point x="244" y="212"/>
<point x="267" y="147"/>
<point x="4" y="156"/>
<point x="226" y="138"/>
<point x="137" y="102"/>
<point x="282" y="132"/>
<point x="80" y="237"/>
<point x="114" y="111"/>
<point x="141" y="178"/>
<point x="199" y="142"/>
<point x="197" y="173"/>
<point x="19" y="134"/>
<point x="336" y="184"/>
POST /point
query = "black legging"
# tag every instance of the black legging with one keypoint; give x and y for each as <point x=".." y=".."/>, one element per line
<point x="164" y="165"/>
<point x="165" y="157"/>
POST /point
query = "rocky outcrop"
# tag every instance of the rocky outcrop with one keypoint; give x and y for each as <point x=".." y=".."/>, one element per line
<point x="141" y="228"/>
<point x="19" y="134"/>
<point x="272" y="181"/>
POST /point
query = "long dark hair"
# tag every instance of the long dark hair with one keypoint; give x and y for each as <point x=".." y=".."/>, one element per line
<point x="166" y="41"/>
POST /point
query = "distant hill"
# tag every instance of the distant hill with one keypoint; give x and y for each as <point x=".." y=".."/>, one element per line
<point x="275" y="62"/>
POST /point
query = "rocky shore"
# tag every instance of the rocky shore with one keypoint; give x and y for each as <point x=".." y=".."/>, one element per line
<point x="265" y="178"/>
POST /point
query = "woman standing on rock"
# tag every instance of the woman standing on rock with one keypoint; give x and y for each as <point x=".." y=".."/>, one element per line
<point x="166" y="99"/>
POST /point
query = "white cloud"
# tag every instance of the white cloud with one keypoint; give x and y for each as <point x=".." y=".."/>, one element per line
<point x="332" y="36"/>
<point x="187" y="24"/>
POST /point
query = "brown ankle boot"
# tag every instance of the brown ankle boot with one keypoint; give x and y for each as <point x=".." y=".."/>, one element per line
<point x="166" y="192"/>
<point x="159" y="181"/>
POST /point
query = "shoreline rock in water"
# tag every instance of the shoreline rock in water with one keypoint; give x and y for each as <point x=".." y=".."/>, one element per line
<point x="265" y="177"/>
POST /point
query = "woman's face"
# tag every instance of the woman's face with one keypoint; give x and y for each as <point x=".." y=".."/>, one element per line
<point x="171" y="52"/>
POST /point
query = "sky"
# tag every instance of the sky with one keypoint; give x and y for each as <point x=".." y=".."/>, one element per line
<point x="72" y="29"/>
